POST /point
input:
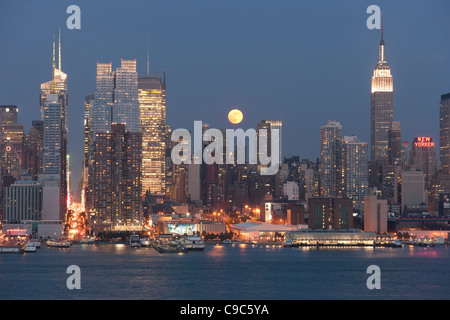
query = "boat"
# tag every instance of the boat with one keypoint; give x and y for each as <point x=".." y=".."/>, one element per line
<point x="87" y="241"/>
<point x="227" y="241"/>
<point x="289" y="244"/>
<point x="30" y="246"/>
<point x="193" y="243"/>
<point x="167" y="244"/>
<point x="37" y="242"/>
<point x="145" y="242"/>
<point x="10" y="249"/>
<point x="134" y="241"/>
<point x="58" y="243"/>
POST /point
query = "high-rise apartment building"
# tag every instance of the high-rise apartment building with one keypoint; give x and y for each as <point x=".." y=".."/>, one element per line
<point x="126" y="103"/>
<point x="116" y="180"/>
<point x="331" y="173"/>
<point x="356" y="171"/>
<point x="100" y="113"/>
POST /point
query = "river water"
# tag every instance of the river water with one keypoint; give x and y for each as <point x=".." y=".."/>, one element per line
<point x="226" y="272"/>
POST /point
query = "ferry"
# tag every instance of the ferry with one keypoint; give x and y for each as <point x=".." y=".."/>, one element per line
<point x="167" y="244"/>
<point x="87" y="241"/>
<point x="134" y="241"/>
<point x="58" y="243"/>
<point x="193" y="243"/>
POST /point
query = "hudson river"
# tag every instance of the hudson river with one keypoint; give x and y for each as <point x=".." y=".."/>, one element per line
<point x="226" y="272"/>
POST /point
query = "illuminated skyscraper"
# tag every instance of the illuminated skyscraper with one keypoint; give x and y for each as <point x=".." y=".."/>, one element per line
<point x="423" y="158"/>
<point x="88" y="103"/>
<point x="395" y="143"/>
<point x="126" y="103"/>
<point x="32" y="157"/>
<point x="382" y="107"/>
<point x="53" y="100"/>
<point x="11" y="138"/>
<point x="444" y="139"/>
<point x="152" y="106"/>
<point x="331" y="173"/>
<point x="356" y="178"/>
<point x="100" y="114"/>
<point x="116" y="181"/>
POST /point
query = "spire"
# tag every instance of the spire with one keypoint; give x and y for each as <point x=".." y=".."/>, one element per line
<point x="53" y="89"/>
<point x="59" y="48"/>
<point x="53" y="61"/>
<point x="148" y="57"/>
<point x="382" y="54"/>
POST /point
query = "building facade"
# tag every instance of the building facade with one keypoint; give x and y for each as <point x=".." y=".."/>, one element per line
<point x="116" y="180"/>
<point x="152" y="117"/>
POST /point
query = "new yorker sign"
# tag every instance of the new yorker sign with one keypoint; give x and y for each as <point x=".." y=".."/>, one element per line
<point x="425" y="142"/>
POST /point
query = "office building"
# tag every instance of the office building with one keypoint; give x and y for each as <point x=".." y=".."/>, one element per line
<point x="444" y="135"/>
<point x="375" y="214"/>
<point x="152" y="117"/>
<point x="22" y="201"/>
<point x="382" y="106"/>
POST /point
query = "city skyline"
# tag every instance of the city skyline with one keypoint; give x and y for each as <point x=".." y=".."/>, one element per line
<point x="299" y="92"/>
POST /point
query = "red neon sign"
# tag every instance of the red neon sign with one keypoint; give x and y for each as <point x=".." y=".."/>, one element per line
<point x="424" y="142"/>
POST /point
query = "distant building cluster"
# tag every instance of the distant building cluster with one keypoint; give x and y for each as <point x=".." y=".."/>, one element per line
<point x="129" y="182"/>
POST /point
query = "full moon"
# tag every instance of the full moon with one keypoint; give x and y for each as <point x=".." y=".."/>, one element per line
<point x="235" y="116"/>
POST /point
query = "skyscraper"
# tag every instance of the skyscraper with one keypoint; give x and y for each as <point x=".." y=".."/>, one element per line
<point x="395" y="143"/>
<point x="100" y="114"/>
<point x="356" y="178"/>
<point x="423" y="158"/>
<point x="382" y="107"/>
<point x="126" y="103"/>
<point x="116" y="180"/>
<point x="11" y="139"/>
<point x="444" y="138"/>
<point x="152" y="117"/>
<point x="32" y="156"/>
<point x="53" y="100"/>
<point x="331" y="173"/>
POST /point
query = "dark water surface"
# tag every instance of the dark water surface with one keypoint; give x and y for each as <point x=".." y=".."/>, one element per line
<point x="226" y="272"/>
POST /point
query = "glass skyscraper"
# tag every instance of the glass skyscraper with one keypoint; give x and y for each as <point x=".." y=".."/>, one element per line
<point x="152" y="117"/>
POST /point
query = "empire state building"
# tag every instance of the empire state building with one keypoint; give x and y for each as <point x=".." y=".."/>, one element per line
<point x="382" y="107"/>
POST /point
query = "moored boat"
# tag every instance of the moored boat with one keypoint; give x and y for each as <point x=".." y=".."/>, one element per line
<point x="30" y="246"/>
<point x="145" y="242"/>
<point x="193" y="243"/>
<point x="134" y="241"/>
<point x="58" y="243"/>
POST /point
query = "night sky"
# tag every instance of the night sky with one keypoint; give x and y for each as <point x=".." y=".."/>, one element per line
<point x="302" y="62"/>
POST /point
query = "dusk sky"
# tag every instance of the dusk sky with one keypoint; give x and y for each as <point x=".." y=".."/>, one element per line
<point x="302" y="62"/>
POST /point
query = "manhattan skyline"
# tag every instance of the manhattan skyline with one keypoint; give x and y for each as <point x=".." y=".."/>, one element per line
<point x="287" y="63"/>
